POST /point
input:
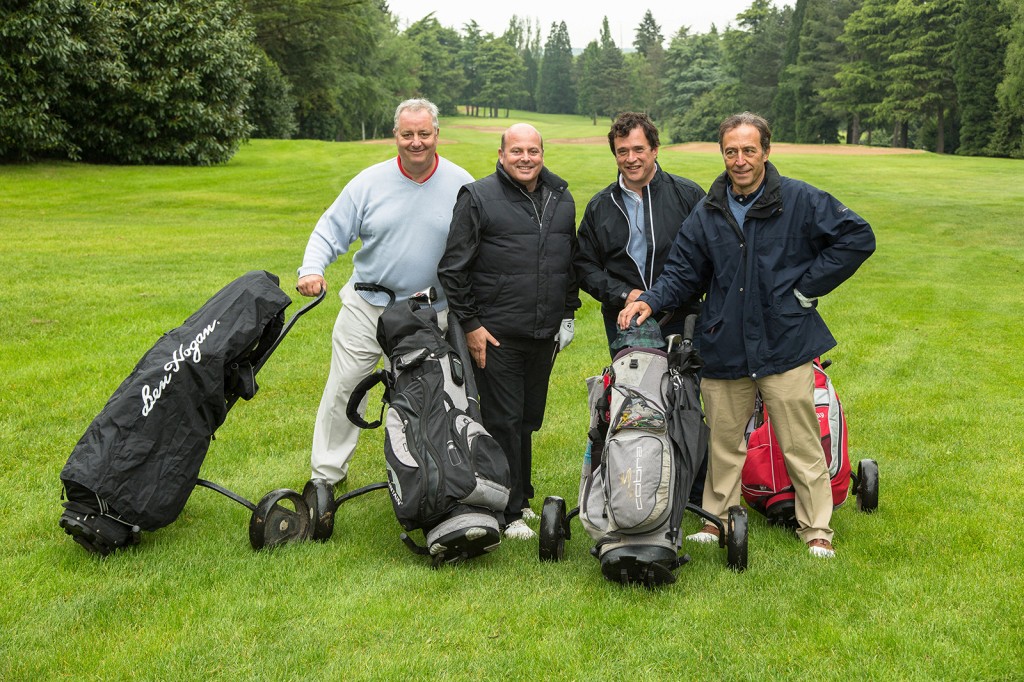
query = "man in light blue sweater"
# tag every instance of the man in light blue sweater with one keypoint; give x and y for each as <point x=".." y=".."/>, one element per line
<point x="401" y="210"/>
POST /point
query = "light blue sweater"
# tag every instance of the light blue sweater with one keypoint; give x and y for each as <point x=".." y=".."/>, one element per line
<point x="403" y="226"/>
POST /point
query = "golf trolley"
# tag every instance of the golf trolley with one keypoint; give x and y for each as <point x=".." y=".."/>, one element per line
<point x="646" y="440"/>
<point x="446" y="475"/>
<point x="138" y="462"/>
<point x="555" y="530"/>
<point x="765" y="483"/>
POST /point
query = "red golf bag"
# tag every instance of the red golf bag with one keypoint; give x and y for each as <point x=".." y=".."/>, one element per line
<point x="765" y="483"/>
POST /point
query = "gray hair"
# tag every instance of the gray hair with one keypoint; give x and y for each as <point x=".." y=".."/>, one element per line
<point x="418" y="104"/>
<point x="750" y="119"/>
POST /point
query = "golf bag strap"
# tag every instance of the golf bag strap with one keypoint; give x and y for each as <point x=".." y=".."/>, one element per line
<point x="361" y="389"/>
<point x="679" y="387"/>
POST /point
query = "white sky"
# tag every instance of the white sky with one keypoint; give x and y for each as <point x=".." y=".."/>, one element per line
<point x="581" y="17"/>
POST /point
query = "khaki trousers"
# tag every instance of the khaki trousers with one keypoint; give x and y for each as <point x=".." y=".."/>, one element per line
<point x="354" y="356"/>
<point x="789" y="398"/>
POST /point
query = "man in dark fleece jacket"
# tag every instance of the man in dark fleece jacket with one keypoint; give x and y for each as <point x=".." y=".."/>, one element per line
<point x="629" y="226"/>
<point x="507" y="271"/>
<point x="763" y="248"/>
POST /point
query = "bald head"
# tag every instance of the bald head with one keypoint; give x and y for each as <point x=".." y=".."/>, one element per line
<point x="519" y="131"/>
<point x="522" y="154"/>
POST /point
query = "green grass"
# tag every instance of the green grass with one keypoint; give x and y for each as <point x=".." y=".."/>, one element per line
<point x="99" y="261"/>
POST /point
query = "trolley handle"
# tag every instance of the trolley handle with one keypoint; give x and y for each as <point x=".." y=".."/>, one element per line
<point x="371" y="286"/>
<point x="287" y="328"/>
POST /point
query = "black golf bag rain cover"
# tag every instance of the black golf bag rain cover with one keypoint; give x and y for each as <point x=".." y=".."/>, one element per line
<point x="142" y="454"/>
<point x="646" y="440"/>
<point x="446" y="474"/>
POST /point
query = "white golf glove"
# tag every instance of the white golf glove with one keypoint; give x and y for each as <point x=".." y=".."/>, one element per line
<point x="804" y="301"/>
<point x="565" y="333"/>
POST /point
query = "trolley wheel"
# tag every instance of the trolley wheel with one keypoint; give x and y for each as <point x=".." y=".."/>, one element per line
<point x="736" y="539"/>
<point x="552" y="529"/>
<point x="319" y="496"/>
<point x="282" y="516"/>
<point x="867" y="485"/>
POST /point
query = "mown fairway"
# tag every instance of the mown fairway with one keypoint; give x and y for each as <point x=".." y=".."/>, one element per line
<point x="99" y="261"/>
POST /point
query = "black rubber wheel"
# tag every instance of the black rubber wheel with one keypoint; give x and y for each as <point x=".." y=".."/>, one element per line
<point x="552" y="529"/>
<point x="319" y="496"/>
<point x="736" y="539"/>
<point x="282" y="516"/>
<point x="867" y="485"/>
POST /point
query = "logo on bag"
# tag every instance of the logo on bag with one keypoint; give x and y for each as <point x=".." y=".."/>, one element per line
<point x="638" y="478"/>
<point x="191" y="352"/>
<point x="634" y="478"/>
<point x="394" y="485"/>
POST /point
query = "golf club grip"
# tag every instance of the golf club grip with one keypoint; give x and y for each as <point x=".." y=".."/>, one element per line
<point x="689" y="325"/>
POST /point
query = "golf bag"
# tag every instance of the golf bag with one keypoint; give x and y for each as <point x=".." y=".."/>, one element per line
<point x="139" y="459"/>
<point x="446" y="475"/>
<point x="646" y="440"/>
<point x="766" y="485"/>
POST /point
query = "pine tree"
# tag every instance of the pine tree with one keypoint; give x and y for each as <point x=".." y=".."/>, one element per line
<point x="501" y="73"/>
<point x="646" y="66"/>
<point x="441" y="78"/>
<point x="648" y="36"/>
<point x="588" y="80"/>
<point x="800" y="112"/>
<point x="693" y="84"/>
<point x="921" y="82"/>
<point x="524" y="37"/>
<point x="753" y="54"/>
<point x="556" y="93"/>
<point x="612" y="94"/>
<point x="1008" y="139"/>
<point x="980" y="54"/>
<point x="862" y="78"/>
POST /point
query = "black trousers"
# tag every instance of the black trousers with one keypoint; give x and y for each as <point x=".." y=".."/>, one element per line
<point x="513" y="392"/>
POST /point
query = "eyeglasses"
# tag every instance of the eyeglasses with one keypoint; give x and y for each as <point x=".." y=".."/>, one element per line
<point x="623" y="152"/>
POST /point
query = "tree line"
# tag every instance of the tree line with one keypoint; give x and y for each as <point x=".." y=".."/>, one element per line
<point x="187" y="81"/>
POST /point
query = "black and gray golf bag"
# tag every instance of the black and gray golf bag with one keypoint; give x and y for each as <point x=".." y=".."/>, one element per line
<point x="646" y="441"/>
<point x="446" y="475"/>
<point x="138" y="461"/>
<point x="642" y="459"/>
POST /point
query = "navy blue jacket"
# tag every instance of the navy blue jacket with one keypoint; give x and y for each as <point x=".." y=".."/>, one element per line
<point x="794" y="237"/>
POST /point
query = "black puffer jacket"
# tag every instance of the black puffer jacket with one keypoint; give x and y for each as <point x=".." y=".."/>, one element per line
<point x="795" y="237"/>
<point x="603" y="265"/>
<point x="508" y="265"/>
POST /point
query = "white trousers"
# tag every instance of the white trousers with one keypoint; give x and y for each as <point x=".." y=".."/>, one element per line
<point x="354" y="356"/>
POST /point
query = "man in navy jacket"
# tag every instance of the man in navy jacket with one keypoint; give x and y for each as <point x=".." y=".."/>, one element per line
<point x="762" y="248"/>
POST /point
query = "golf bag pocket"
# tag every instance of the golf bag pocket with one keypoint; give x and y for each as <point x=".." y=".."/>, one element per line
<point x="638" y="463"/>
<point x="591" y="495"/>
<point x="472" y="443"/>
<point x="415" y="469"/>
<point x="437" y="457"/>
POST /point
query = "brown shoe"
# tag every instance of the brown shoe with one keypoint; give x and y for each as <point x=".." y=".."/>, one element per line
<point x="707" y="534"/>
<point x="820" y="547"/>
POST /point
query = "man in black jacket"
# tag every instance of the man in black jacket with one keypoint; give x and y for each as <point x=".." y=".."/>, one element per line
<point x="507" y="271"/>
<point x="628" y="227"/>
<point x="764" y="248"/>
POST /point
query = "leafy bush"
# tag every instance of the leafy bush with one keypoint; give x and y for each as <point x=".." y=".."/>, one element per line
<point x="42" y="49"/>
<point x="159" y="81"/>
<point x="271" y="109"/>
